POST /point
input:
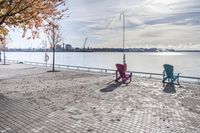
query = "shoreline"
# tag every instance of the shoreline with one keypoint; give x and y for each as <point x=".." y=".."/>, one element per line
<point x="136" y="61"/>
<point x="187" y="79"/>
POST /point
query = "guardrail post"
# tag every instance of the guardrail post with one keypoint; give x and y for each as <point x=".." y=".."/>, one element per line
<point x="198" y="81"/>
<point x="150" y="76"/>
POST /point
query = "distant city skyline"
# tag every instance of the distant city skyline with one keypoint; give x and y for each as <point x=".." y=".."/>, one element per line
<point x="149" y="23"/>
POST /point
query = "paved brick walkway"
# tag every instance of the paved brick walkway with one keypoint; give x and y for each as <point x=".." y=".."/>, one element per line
<point x="16" y="115"/>
<point x="141" y="107"/>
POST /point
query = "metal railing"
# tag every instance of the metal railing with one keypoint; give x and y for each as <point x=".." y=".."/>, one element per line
<point x="104" y="70"/>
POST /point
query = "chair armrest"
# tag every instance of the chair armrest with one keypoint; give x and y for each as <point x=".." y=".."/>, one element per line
<point x="164" y="78"/>
<point x="130" y="73"/>
<point x="163" y="74"/>
<point x="177" y="74"/>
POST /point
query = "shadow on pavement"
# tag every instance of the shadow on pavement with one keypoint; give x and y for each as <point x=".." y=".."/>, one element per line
<point x="111" y="87"/>
<point x="169" y="88"/>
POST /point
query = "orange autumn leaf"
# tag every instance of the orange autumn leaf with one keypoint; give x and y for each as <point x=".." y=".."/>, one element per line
<point x="28" y="14"/>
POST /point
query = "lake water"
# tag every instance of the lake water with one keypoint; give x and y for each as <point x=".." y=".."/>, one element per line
<point x="185" y="63"/>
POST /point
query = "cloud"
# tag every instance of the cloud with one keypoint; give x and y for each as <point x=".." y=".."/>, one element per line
<point x="162" y="36"/>
<point x="192" y="18"/>
<point x="149" y="23"/>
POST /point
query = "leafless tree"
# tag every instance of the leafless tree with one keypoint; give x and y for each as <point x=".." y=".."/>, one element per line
<point x="54" y="38"/>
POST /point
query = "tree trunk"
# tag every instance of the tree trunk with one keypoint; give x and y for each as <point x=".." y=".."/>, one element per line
<point x="54" y="47"/>
<point x="53" y="59"/>
<point x="4" y="54"/>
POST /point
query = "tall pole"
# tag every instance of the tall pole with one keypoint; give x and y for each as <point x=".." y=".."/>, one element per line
<point x="123" y="32"/>
<point x="124" y="56"/>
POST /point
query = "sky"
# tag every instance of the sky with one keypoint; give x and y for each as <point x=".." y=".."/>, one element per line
<point x="149" y="24"/>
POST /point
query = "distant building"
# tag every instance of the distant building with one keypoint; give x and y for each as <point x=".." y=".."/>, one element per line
<point x="58" y="46"/>
<point x="68" y="46"/>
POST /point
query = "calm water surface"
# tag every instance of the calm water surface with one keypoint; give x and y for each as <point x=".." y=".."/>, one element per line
<point x="185" y="63"/>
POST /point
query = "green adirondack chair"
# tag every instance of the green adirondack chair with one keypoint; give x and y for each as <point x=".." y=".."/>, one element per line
<point x="169" y="76"/>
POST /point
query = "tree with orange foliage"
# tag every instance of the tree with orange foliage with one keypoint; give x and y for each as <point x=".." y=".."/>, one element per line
<point x="28" y="14"/>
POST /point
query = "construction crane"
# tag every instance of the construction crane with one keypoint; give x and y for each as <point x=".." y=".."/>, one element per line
<point x="84" y="43"/>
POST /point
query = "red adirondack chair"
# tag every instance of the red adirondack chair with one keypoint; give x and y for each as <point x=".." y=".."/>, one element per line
<point x="122" y="74"/>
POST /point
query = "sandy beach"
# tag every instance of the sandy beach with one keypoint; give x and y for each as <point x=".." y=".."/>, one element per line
<point x="34" y="100"/>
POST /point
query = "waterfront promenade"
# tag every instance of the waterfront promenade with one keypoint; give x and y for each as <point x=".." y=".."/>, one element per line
<point x="34" y="100"/>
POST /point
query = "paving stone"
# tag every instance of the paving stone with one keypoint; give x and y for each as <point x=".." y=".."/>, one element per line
<point x="127" y="109"/>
